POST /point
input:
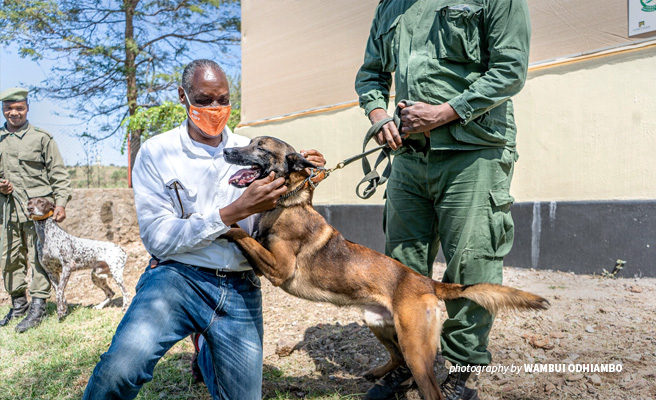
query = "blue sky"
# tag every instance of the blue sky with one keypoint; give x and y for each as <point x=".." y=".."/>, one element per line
<point x="52" y="117"/>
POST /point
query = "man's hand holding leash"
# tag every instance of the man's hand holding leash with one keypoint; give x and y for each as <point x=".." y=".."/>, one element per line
<point x="417" y="118"/>
<point x="423" y="117"/>
<point x="6" y="187"/>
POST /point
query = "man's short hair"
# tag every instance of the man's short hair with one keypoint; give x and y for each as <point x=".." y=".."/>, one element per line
<point x="191" y="68"/>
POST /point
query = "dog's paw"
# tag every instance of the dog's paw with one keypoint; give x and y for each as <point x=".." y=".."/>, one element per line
<point x="376" y="373"/>
<point x="234" y="234"/>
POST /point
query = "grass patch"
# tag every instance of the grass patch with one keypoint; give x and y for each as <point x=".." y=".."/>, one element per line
<point x="55" y="360"/>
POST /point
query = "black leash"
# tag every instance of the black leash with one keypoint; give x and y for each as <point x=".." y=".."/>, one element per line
<point x="371" y="176"/>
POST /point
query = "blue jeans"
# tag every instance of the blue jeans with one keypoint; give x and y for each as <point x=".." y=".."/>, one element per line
<point x="173" y="301"/>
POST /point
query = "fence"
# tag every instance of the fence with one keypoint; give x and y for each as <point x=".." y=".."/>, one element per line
<point x="90" y="163"/>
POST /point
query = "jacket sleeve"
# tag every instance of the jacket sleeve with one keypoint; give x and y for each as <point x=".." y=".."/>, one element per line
<point x="372" y="83"/>
<point x="162" y="230"/>
<point x="507" y="29"/>
<point x="58" y="177"/>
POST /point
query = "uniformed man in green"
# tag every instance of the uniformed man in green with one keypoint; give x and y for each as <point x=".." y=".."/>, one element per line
<point x="459" y="61"/>
<point x="30" y="166"/>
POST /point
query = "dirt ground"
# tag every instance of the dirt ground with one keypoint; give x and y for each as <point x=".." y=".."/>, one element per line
<point x="593" y="323"/>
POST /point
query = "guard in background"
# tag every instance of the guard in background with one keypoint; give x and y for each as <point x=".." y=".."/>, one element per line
<point x="30" y="166"/>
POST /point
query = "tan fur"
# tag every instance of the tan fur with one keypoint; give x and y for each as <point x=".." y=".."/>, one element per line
<point x="297" y="250"/>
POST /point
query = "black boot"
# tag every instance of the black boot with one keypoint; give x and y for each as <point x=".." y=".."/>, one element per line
<point x="19" y="306"/>
<point x="459" y="386"/>
<point x="394" y="383"/>
<point x="34" y="317"/>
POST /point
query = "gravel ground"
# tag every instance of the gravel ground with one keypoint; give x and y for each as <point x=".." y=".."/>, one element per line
<point x="315" y="348"/>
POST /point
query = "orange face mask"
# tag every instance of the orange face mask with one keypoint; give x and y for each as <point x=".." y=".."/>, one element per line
<point x="210" y="120"/>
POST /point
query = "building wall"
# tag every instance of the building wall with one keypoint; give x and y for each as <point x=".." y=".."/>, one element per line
<point x="584" y="187"/>
<point x="303" y="54"/>
<point x="587" y="131"/>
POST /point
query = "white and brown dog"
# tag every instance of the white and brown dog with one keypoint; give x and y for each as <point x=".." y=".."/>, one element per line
<point x="60" y="254"/>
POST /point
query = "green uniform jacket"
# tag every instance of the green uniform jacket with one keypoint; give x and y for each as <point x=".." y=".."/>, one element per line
<point x="30" y="160"/>
<point x="472" y="54"/>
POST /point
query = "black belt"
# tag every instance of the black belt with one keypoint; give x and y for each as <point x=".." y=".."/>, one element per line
<point x="222" y="273"/>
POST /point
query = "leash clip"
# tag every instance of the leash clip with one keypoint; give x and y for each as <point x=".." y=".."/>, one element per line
<point x="315" y="174"/>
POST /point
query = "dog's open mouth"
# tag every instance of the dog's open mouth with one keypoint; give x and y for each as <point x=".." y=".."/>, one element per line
<point x="245" y="177"/>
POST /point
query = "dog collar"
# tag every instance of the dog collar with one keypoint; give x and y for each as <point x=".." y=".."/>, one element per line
<point x="316" y="176"/>
<point x="42" y="217"/>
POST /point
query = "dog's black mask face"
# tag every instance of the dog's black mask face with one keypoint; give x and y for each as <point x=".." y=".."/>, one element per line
<point x="264" y="155"/>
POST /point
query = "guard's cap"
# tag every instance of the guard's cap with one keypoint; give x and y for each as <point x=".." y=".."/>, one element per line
<point x="14" y="94"/>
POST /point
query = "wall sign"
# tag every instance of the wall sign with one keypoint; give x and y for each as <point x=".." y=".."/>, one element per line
<point x="642" y="17"/>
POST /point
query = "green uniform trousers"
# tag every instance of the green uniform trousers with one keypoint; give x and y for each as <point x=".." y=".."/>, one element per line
<point x="459" y="199"/>
<point x="20" y="243"/>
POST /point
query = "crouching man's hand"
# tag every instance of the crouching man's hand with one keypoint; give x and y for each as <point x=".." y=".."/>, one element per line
<point x="259" y="196"/>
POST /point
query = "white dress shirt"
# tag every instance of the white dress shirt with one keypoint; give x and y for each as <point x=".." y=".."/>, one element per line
<point x="184" y="226"/>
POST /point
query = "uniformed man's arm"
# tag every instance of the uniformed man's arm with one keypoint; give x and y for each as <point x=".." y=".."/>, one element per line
<point x="508" y="30"/>
<point x="372" y="83"/>
<point x="60" y="181"/>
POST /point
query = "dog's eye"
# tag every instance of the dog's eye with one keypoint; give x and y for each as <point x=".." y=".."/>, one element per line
<point x="260" y="143"/>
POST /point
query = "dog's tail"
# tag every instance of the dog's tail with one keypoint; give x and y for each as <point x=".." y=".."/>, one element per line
<point x="492" y="297"/>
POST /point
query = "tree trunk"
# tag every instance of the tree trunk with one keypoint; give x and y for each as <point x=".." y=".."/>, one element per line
<point x="131" y="78"/>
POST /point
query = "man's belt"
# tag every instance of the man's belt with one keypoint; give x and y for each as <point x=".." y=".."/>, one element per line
<point x="222" y="273"/>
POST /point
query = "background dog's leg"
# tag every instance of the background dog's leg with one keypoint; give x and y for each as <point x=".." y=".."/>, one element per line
<point x="99" y="275"/>
<point x="417" y="322"/>
<point x="118" y="278"/>
<point x="62" y="307"/>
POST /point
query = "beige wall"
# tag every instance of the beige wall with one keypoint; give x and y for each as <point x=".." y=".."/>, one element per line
<point x="303" y="54"/>
<point x="587" y="131"/>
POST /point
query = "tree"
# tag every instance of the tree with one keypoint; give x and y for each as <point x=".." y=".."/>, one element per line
<point x="116" y="56"/>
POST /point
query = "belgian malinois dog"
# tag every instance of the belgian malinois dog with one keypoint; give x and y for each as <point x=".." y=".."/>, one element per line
<point x="297" y="250"/>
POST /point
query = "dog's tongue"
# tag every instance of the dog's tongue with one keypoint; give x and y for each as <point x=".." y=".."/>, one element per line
<point x="244" y="176"/>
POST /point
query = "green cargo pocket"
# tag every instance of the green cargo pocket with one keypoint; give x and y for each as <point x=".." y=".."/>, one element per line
<point x="459" y="33"/>
<point x="502" y="229"/>
<point x="389" y="43"/>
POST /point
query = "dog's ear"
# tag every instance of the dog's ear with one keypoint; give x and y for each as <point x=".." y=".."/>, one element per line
<point x="296" y="162"/>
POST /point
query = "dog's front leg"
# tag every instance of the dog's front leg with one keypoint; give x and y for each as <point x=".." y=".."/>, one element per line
<point x="62" y="306"/>
<point x="276" y="266"/>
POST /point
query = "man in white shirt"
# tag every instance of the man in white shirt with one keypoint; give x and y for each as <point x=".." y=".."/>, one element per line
<point x="196" y="282"/>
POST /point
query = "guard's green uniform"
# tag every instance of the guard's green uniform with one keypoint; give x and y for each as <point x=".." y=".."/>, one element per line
<point x="30" y="160"/>
<point x="473" y="55"/>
